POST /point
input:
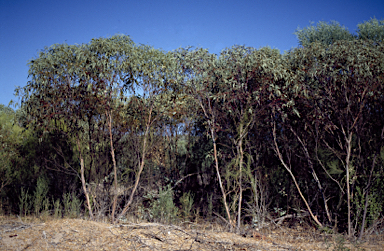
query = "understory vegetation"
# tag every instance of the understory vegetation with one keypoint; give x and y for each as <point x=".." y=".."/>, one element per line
<point x="113" y="129"/>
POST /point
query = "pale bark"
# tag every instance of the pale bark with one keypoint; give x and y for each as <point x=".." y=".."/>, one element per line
<point x="347" y="170"/>
<point x="314" y="174"/>
<point x="280" y="156"/>
<point x="211" y="122"/>
<point x="141" y="166"/>
<point x="220" y="182"/>
<point x="240" y="147"/>
<point x="83" y="183"/>
<point x="115" y="195"/>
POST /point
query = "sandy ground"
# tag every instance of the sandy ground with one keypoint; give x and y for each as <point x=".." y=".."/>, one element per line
<point x="77" y="234"/>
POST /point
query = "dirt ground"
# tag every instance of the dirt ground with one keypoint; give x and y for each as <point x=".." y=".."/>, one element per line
<point x="77" y="234"/>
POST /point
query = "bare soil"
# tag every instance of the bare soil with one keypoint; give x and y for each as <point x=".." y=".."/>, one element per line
<point x="78" y="234"/>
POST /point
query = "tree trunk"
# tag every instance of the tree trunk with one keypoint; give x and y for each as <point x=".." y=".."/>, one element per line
<point x="240" y="149"/>
<point x="347" y="164"/>
<point x="109" y="116"/>
<point x="141" y="167"/>
<point x="83" y="180"/>
<point x="279" y="155"/>
<point x="211" y="122"/>
<point x="314" y="175"/>
<point x="219" y="177"/>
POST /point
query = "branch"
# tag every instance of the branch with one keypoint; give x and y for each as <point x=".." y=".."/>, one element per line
<point x="325" y="170"/>
<point x="280" y="156"/>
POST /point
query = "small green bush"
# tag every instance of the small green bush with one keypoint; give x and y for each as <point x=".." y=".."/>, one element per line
<point x="187" y="203"/>
<point x="24" y="202"/>
<point x="57" y="209"/>
<point x="40" y="194"/>
<point x="162" y="207"/>
<point x="72" y="205"/>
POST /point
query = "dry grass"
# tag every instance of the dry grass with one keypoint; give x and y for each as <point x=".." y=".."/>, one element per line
<point x="78" y="234"/>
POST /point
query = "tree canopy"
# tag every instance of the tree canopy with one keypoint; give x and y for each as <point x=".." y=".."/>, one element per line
<point x="249" y="135"/>
<point x="328" y="33"/>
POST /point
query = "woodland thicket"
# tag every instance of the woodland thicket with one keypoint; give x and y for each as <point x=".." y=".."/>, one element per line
<point x="250" y="136"/>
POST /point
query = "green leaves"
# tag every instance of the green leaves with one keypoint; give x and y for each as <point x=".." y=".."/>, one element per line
<point x="314" y="93"/>
<point x="371" y="30"/>
<point x="71" y="81"/>
<point x="324" y="33"/>
<point x="329" y="33"/>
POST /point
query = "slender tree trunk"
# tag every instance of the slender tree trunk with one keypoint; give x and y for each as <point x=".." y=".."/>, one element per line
<point x="219" y="177"/>
<point x="211" y="122"/>
<point x="280" y="156"/>
<point x="314" y="175"/>
<point x="240" y="149"/>
<point x="109" y="116"/>
<point x="141" y="167"/>
<point x="83" y="180"/>
<point x="347" y="164"/>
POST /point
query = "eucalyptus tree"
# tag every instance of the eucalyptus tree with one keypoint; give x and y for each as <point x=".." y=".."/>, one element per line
<point x="233" y="91"/>
<point x="296" y="136"/>
<point x="372" y="30"/>
<point x="352" y="78"/>
<point x="328" y="33"/>
<point x="48" y="96"/>
<point x="198" y="78"/>
<point x="248" y="80"/>
<point x="11" y="135"/>
<point x="338" y="93"/>
<point x="236" y="72"/>
<point x="324" y="33"/>
<point x="71" y="87"/>
<point x="279" y="105"/>
<point x="155" y="90"/>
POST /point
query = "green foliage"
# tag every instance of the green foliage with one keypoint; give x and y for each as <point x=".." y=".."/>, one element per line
<point x="46" y="208"/>
<point x="40" y="198"/>
<point x="162" y="207"/>
<point x="324" y="33"/>
<point x="328" y="33"/>
<point x="372" y="30"/>
<point x="72" y="205"/>
<point x="25" y="203"/>
<point x="341" y="88"/>
<point x="324" y="100"/>
<point x="375" y="209"/>
<point x="334" y="167"/>
<point x="76" y="89"/>
<point x="375" y="206"/>
<point x="187" y="204"/>
<point x="11" y="136"/>
<point x="57" y="213"/>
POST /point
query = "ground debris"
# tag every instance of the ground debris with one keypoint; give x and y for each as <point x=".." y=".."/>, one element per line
<point x="78" y="234"/>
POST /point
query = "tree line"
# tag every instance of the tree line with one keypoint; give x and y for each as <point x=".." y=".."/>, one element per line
<point x="249" y="136"/>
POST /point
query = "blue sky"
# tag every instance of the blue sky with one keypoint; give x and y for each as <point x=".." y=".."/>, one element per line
<point x="27" y="26"/>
